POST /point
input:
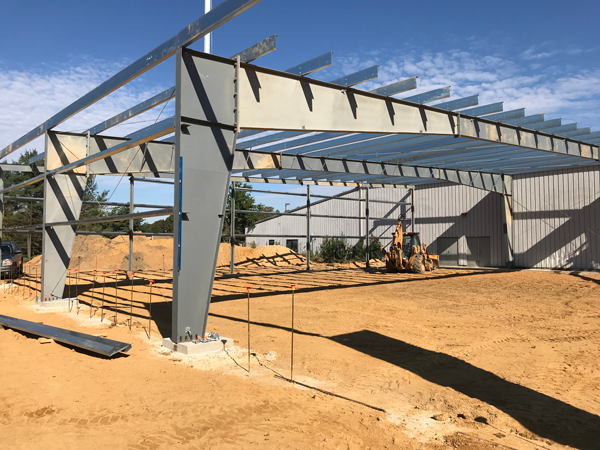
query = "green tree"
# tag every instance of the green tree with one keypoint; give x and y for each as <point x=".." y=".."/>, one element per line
<point x="159" y="226"/>
<point x="244" y="201"/>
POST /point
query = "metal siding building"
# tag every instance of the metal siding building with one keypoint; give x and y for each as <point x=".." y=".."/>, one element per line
<point x="556" y="220"/>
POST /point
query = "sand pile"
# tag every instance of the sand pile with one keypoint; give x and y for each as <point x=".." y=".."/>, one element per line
<point x="97" y="252"/>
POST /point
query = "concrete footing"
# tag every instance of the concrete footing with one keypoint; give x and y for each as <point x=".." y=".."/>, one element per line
<point x="190" y="348"/>
<point x="59" y="303"/>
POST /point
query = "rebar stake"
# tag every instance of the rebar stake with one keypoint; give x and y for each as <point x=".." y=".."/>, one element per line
<point x="248" y="289"/>
<point x="292" y="359"/>
<point x="36" y="284"/>
<point x="116" y="297"/>
<point x="92" y="301"/>
<point x="69" y="280"/>
<point x="131" y="302"/>
<point x="77" y="287"/>
<point x="29" y="280"/>
<point x="150" y="311"/>
<point x="103" y="289"/>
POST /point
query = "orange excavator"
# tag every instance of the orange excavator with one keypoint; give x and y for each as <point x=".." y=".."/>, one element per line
<point x="408" y="254"/>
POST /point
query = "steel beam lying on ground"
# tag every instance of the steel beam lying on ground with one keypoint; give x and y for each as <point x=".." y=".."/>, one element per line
<point x="251" y="159"/>
<point x="95" y="344"/>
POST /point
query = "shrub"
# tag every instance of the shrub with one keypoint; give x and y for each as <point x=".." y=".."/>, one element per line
<point x="252" y="244"/>
<point x="358" y="251"/>
<point x="334" y="249"/>
<point x="375" y="248"/>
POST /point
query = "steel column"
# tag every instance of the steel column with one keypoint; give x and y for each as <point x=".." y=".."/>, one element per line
<point x="308" y="228"/>
<point x="205" y="137"/>
<point x="131" y="211"/>
<point x="507" y="222"/>
<point x="232" y="228"/>
<point x="367" y="249"/>
<point x="412" y="210"/>
<point x="64" y="198"/>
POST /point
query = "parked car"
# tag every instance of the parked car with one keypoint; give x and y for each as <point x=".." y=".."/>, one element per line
<point x="12" y="260"/>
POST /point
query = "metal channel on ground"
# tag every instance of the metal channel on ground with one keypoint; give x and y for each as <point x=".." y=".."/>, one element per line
<point x="102" y="346"/>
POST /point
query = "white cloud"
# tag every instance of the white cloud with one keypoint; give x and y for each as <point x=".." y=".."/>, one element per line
<point x="30" y="97"/>
<point x="566" y="91"/>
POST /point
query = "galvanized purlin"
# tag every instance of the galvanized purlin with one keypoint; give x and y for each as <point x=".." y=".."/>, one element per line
<point x="144" y="106"/>
<point x="526" y="120"/>
<point x="458" y="103"/>
<point x="140" y="215"/>
<point x="85" y="202"/>
<point x="429" y="96"/>
<point x="483" y="110"/>
<point x="204" y="25"/>
<point x="578" y="132"/>
<point x="262" y="48"/>
<point x="503" y="116"/>
<point x="361" y="76"/>
<point x="308" y="67"/>
<point x="95" y="344"/>
<point x="396" y="88"/>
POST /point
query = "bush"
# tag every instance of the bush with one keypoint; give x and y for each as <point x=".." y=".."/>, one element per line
<point x="358" y="251"/>
<point x="334" y="249"/>
<point x="375" y="248"/>
<point x="252" y="244"/>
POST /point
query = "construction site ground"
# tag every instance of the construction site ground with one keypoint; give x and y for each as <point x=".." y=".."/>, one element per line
<point x="467" y="359"/>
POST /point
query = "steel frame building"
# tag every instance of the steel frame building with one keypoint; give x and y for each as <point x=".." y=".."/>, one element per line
<point x="327" y="133"/>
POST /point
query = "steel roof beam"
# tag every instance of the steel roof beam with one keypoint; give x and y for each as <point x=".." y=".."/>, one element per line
<point x="259" y="49"/>
<point x="246" y="159"/>
<point x="396" y="88"/>
<point x="459" y="103"/>
<point x="315" y="183"/>
<point x="190" y="34"/>
<point x="484" y="109"/>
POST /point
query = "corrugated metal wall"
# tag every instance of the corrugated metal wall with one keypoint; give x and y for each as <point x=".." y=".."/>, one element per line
<point x="454" y="211"/>
<point x="556" y="219"/>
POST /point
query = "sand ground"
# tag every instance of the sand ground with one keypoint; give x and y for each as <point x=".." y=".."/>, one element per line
<point x="504" y="359"/>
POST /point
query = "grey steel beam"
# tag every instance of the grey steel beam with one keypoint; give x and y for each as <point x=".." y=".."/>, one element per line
<point x="95" y="344"/>
<point x="63" y="199"/>
<point x="21" y="168"/>
<point x="308" y="67"/>
<point x="503" y="116"/>
<point x="267" y="180"/>
<point x="254" y="159"/>
<point x="204" y="25"/>
<point x="206" y="118"/>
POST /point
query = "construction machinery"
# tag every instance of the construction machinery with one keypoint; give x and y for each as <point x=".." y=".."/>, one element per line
<point x="407" y="253"/>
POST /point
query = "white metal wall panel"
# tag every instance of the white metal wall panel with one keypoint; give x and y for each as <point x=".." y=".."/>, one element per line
<point x="557" y="219"/>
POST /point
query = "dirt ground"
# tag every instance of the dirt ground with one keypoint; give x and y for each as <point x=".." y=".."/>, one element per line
<point x="502" y="360"/>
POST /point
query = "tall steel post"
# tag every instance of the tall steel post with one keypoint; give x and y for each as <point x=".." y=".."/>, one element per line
<point x="232" y="229"/>
<point x="412" y="210"/>
<point x="2" y="203"/>
<point x="131" y="211"/>
<point x="206" y="114"/>
<point x="507" y="223"/>
<point x="367" y="246"/>
<point x="308" y="227"/>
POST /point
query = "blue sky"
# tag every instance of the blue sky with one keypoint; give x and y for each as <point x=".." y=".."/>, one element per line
<point x="544" y="56"/>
